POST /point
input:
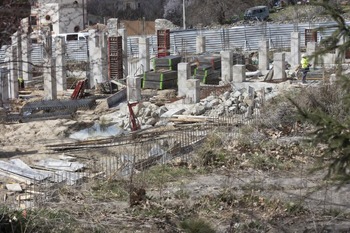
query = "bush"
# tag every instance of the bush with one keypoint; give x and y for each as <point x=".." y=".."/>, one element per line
<point x="196" y="226"/>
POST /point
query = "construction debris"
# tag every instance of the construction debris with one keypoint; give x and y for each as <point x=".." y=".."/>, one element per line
<point x="14" y="187"/>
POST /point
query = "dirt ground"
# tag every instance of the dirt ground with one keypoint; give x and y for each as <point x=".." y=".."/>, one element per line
<point x="242" y="190"/>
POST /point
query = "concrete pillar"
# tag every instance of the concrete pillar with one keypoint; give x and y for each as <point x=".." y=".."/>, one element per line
<point x="133" y="90"/>
<point x="311" y="48"/>
<point x="279" y="66"/>
<point x="144" y="55"/>
<point x="226" y="66"/>
<point x="61" y="75"/>
<point x="112" y="27"/>
<point x="13" y="66"/>
<point x="97" y="57"/>
<point x="238" y="73"/>
<point x="27" y="67"/>
<point x="295" y="49"/>
<point x="183" y="74"/>
<point x="200" y="44"/>
<point x="18" y="36"/>
<point x="193" y="91"/>
<point x="4" y="84"/>
<point x="122" y="32"/>
<point x="264" y="63"/>
<point x="104" y="56"/>
<point x="50" y="86"/>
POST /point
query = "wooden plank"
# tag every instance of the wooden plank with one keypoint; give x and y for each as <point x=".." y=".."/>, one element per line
<point x="14" y="187"/>
<point x="34" y="192"/>
<point x="24" y="197"/>
<point x="186" y="120"/>
<point x="195" y="117"/>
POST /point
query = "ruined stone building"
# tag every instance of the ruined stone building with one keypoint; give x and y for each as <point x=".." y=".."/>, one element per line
<point x="63" y="16"/>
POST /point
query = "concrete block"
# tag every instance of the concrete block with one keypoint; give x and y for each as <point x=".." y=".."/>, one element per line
<point x="226" y="66"/>
<point x="239" y="73"/>
<point x="144" y="55"/>
<point x="133" y="89"/>
<point x="200" y="44"/>
<point x="263" y="55"/>
<point x="279" y="66"/>
<point x="295" y="49"/>
<point x="193" y="90"/>
<point x="183" y="74"/>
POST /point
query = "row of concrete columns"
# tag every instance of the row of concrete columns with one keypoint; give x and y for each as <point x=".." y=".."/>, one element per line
<point x="18" y="58"/>
<point x="55" y="74"/>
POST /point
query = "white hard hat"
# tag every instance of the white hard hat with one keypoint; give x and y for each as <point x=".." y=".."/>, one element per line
<point x="303" y="55"/>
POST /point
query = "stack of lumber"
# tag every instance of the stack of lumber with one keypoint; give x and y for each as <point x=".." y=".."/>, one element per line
<point x="207" y="75"/>
<point x="166" y="63"/>
<point x="208" y="69"/>
<point x="213" y="61"/>
<point x="160" y="80"/>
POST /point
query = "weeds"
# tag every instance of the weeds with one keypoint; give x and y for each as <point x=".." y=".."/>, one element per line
<point x="295" y="208"/>
<point x="112" y="189"/>
<point x="196" y="226"/>
<point x="38" y="221"/>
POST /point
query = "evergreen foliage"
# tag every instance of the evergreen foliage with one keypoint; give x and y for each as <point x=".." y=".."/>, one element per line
<point x="332" y="132"/>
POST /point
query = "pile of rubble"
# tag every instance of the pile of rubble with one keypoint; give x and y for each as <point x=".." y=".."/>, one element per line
<point x="236" y="101"/>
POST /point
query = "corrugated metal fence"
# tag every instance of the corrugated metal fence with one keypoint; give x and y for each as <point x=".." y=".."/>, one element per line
<point x="242" y="38"/>
<point x="245" y="38"/>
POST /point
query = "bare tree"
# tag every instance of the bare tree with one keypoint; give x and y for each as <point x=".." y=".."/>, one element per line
<point x="11" y="13"/>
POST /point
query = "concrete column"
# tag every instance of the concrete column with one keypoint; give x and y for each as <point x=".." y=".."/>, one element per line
<point x="183" y="74"/>
<point x="27" y="67"/>
<point x="193" y="91"/>
<point x="238" y="73"/>
<point x="144" y="55"/>
<point x="122" y="32"/>
<point x="133" y="90"/>
<point x="50" y="86"/>
<point x="264" y="63"/>
<point x="104" y="56"/>
<point x="4" y="87"/>
<point x="13" y="66"/>
<point x="112" y="27"/>
<point x="310" y="50"/>
<point x="279" y="66"/>
<point x="97" y="57"/>
<point x="226" y="66"/>
<point x="61" y="75"/>
<point x="200" y="44"/>
<point x="295" y="49"/>
<point x="18" y="34"/>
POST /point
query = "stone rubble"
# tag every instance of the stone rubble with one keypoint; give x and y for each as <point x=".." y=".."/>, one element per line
<point x="236" y="101"/>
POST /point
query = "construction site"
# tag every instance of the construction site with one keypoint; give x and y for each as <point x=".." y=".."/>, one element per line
<point x="97" y="133"/>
